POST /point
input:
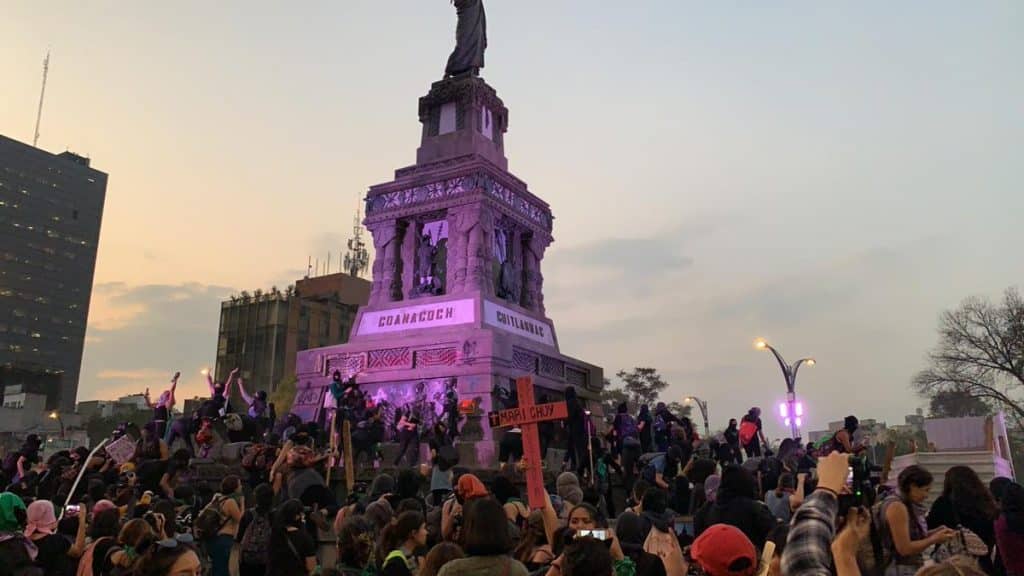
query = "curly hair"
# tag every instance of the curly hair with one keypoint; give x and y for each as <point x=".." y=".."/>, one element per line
<point x="355" y="542"/>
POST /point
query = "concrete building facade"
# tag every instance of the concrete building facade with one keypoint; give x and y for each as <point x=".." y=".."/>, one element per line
<point x="51" y="209"/>
<point x="261" y="333"/>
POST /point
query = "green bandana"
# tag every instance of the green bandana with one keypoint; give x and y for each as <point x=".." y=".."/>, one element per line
<point x="8" y="504"/>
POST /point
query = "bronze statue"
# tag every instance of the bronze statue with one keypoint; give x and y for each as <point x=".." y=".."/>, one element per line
<point x="470" y="39"/>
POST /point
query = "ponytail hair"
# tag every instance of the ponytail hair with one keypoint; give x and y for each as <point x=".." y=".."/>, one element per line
<point x="397" y="532"/>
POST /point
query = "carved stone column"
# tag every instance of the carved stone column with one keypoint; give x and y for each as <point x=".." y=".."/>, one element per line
<point x="537" y="247"/>
<point x="480" y="251"/>
<point x="387" y="262"/>
<point x="515" y="254"/>
<point x="531" y="272"/>
<point x="380" y="239"/>
<point x="456" y="279"/>
<point x="412" y="232"/>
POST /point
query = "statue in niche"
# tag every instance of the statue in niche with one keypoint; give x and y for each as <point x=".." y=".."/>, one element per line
<point x="506" y="282"/>
<point x="431" y="259"/>
<point x="470" y="39"/>
<point x="440" y="266"/>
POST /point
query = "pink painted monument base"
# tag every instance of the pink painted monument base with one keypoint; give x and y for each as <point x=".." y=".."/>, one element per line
<point x="457" y="283"/>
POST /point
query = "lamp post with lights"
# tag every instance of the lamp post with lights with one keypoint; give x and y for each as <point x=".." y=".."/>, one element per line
<point x="703" y="406"/>
<point x="792" y="412"/>
<point x="56" y="416"/>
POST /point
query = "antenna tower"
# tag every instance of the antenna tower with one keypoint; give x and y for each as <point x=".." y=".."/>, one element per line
<point x="39" y="113"/>
<point x="357" y="258"/>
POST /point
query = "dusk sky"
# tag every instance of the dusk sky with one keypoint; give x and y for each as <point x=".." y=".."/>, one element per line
<point x="830" y="176"/>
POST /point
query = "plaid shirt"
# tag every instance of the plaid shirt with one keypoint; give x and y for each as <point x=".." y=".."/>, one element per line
<point x="809" y="546"/>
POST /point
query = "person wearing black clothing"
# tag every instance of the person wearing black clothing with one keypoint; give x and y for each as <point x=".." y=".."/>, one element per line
<point x="966" y="501"/>
<point x="292" y="550"/>
<point x="408" y="437"/>
<point x="629" y="529"/>
<point x="253" y="562"/>
<point x="628" y="436"/>
<point x="451" y="409"/>
<point x="163" y="406"/>
<point x="732" y="441"/>
<point x="735" y="505"/>
<point x="366" y="435"/>
<point x="753" y="446"/>
<point x="645" y="424"/>
<point x="576" y="432"/>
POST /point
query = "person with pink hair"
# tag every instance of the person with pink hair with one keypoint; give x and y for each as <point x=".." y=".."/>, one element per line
<point x="41" y="529"/>
<point x="163" y="408"/>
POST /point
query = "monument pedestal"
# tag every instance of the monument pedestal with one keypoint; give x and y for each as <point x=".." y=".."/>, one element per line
<point x="457" y="284"/>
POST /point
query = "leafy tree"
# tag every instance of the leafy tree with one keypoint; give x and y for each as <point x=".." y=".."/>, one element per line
<point x="682" y="410"/>
<point x="642" y="386"/>
<point x="283" y="395"/>
<point x="957" y="404"/>
<point x="980" y="353"/>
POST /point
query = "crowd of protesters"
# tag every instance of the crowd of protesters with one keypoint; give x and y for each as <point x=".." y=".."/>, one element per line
<point x="726" y="505"/>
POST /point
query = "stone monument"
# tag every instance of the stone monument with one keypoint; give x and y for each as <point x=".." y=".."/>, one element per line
<point x="458" y="289"/>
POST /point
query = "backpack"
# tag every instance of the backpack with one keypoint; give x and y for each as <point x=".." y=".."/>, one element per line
<point x="627" y="426"/>
<point x="210" y="520"/>
<point x="256" y="541"/>
<point x="748" y="430"/>
<point x="647" y="470"/>
<point x="14" y="549"/>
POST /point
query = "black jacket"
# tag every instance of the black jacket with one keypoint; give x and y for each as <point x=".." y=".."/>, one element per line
<point x="752" y="517"/>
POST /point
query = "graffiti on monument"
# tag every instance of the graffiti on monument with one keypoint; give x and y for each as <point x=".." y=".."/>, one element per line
<point x="425" y="398"/>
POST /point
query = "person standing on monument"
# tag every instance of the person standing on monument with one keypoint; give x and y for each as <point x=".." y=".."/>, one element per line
<point x="575" y="426"/>
<point x="752" y="433"/>
<point x="645" y="425"/>
<point x="408" y="436"/>
<point x="451" y="408"/>
<point x="628" y="437"/>
<point x="163" y="406"/>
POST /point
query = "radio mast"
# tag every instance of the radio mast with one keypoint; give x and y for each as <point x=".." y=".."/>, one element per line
<point x="39" y="113"/>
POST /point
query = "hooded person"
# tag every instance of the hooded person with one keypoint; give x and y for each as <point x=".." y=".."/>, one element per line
<point x="568" y="488"/>
<point x="18" y="552"/>
<point x="12" y="513"/>
<point x="382" y="484"/>
<point x="41" y="529"/>
<point x="629" y="529"/>
<point x="470" y="487"/>
<point x="659" y="533"/>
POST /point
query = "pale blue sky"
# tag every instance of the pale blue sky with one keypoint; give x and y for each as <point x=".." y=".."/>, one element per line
<point x="828" y="175"/>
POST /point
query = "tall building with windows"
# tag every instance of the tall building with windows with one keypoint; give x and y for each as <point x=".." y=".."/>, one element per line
<point x="260" y="333"/>
<point x="51" y="207"/>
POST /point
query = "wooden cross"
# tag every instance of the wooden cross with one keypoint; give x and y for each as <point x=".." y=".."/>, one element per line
<point x="526" y="416"/>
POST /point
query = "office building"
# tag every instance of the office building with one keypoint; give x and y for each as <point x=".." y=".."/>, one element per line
<point x="51" y="207"/>
<point x="261" y="333"/>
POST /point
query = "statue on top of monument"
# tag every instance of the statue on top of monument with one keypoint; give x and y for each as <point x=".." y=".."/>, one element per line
<point x="470" y="39"/>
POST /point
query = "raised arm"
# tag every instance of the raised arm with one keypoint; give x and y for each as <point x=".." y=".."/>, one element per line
<point x="550" y="518"/>
<point x="210" y="383"/>
<point x="174" y="386"/>
<point x="227" y="384"/>
<point x="149" y="403"/>
<point x="245" y="395"/>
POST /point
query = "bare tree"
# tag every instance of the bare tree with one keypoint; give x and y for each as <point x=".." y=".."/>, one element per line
<point x="980" y="354"/>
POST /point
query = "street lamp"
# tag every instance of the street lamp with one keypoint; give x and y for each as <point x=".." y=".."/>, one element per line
<point x="703" y="405"/>
<point x="791" y="411"/>
<point x="56" y="416"/>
